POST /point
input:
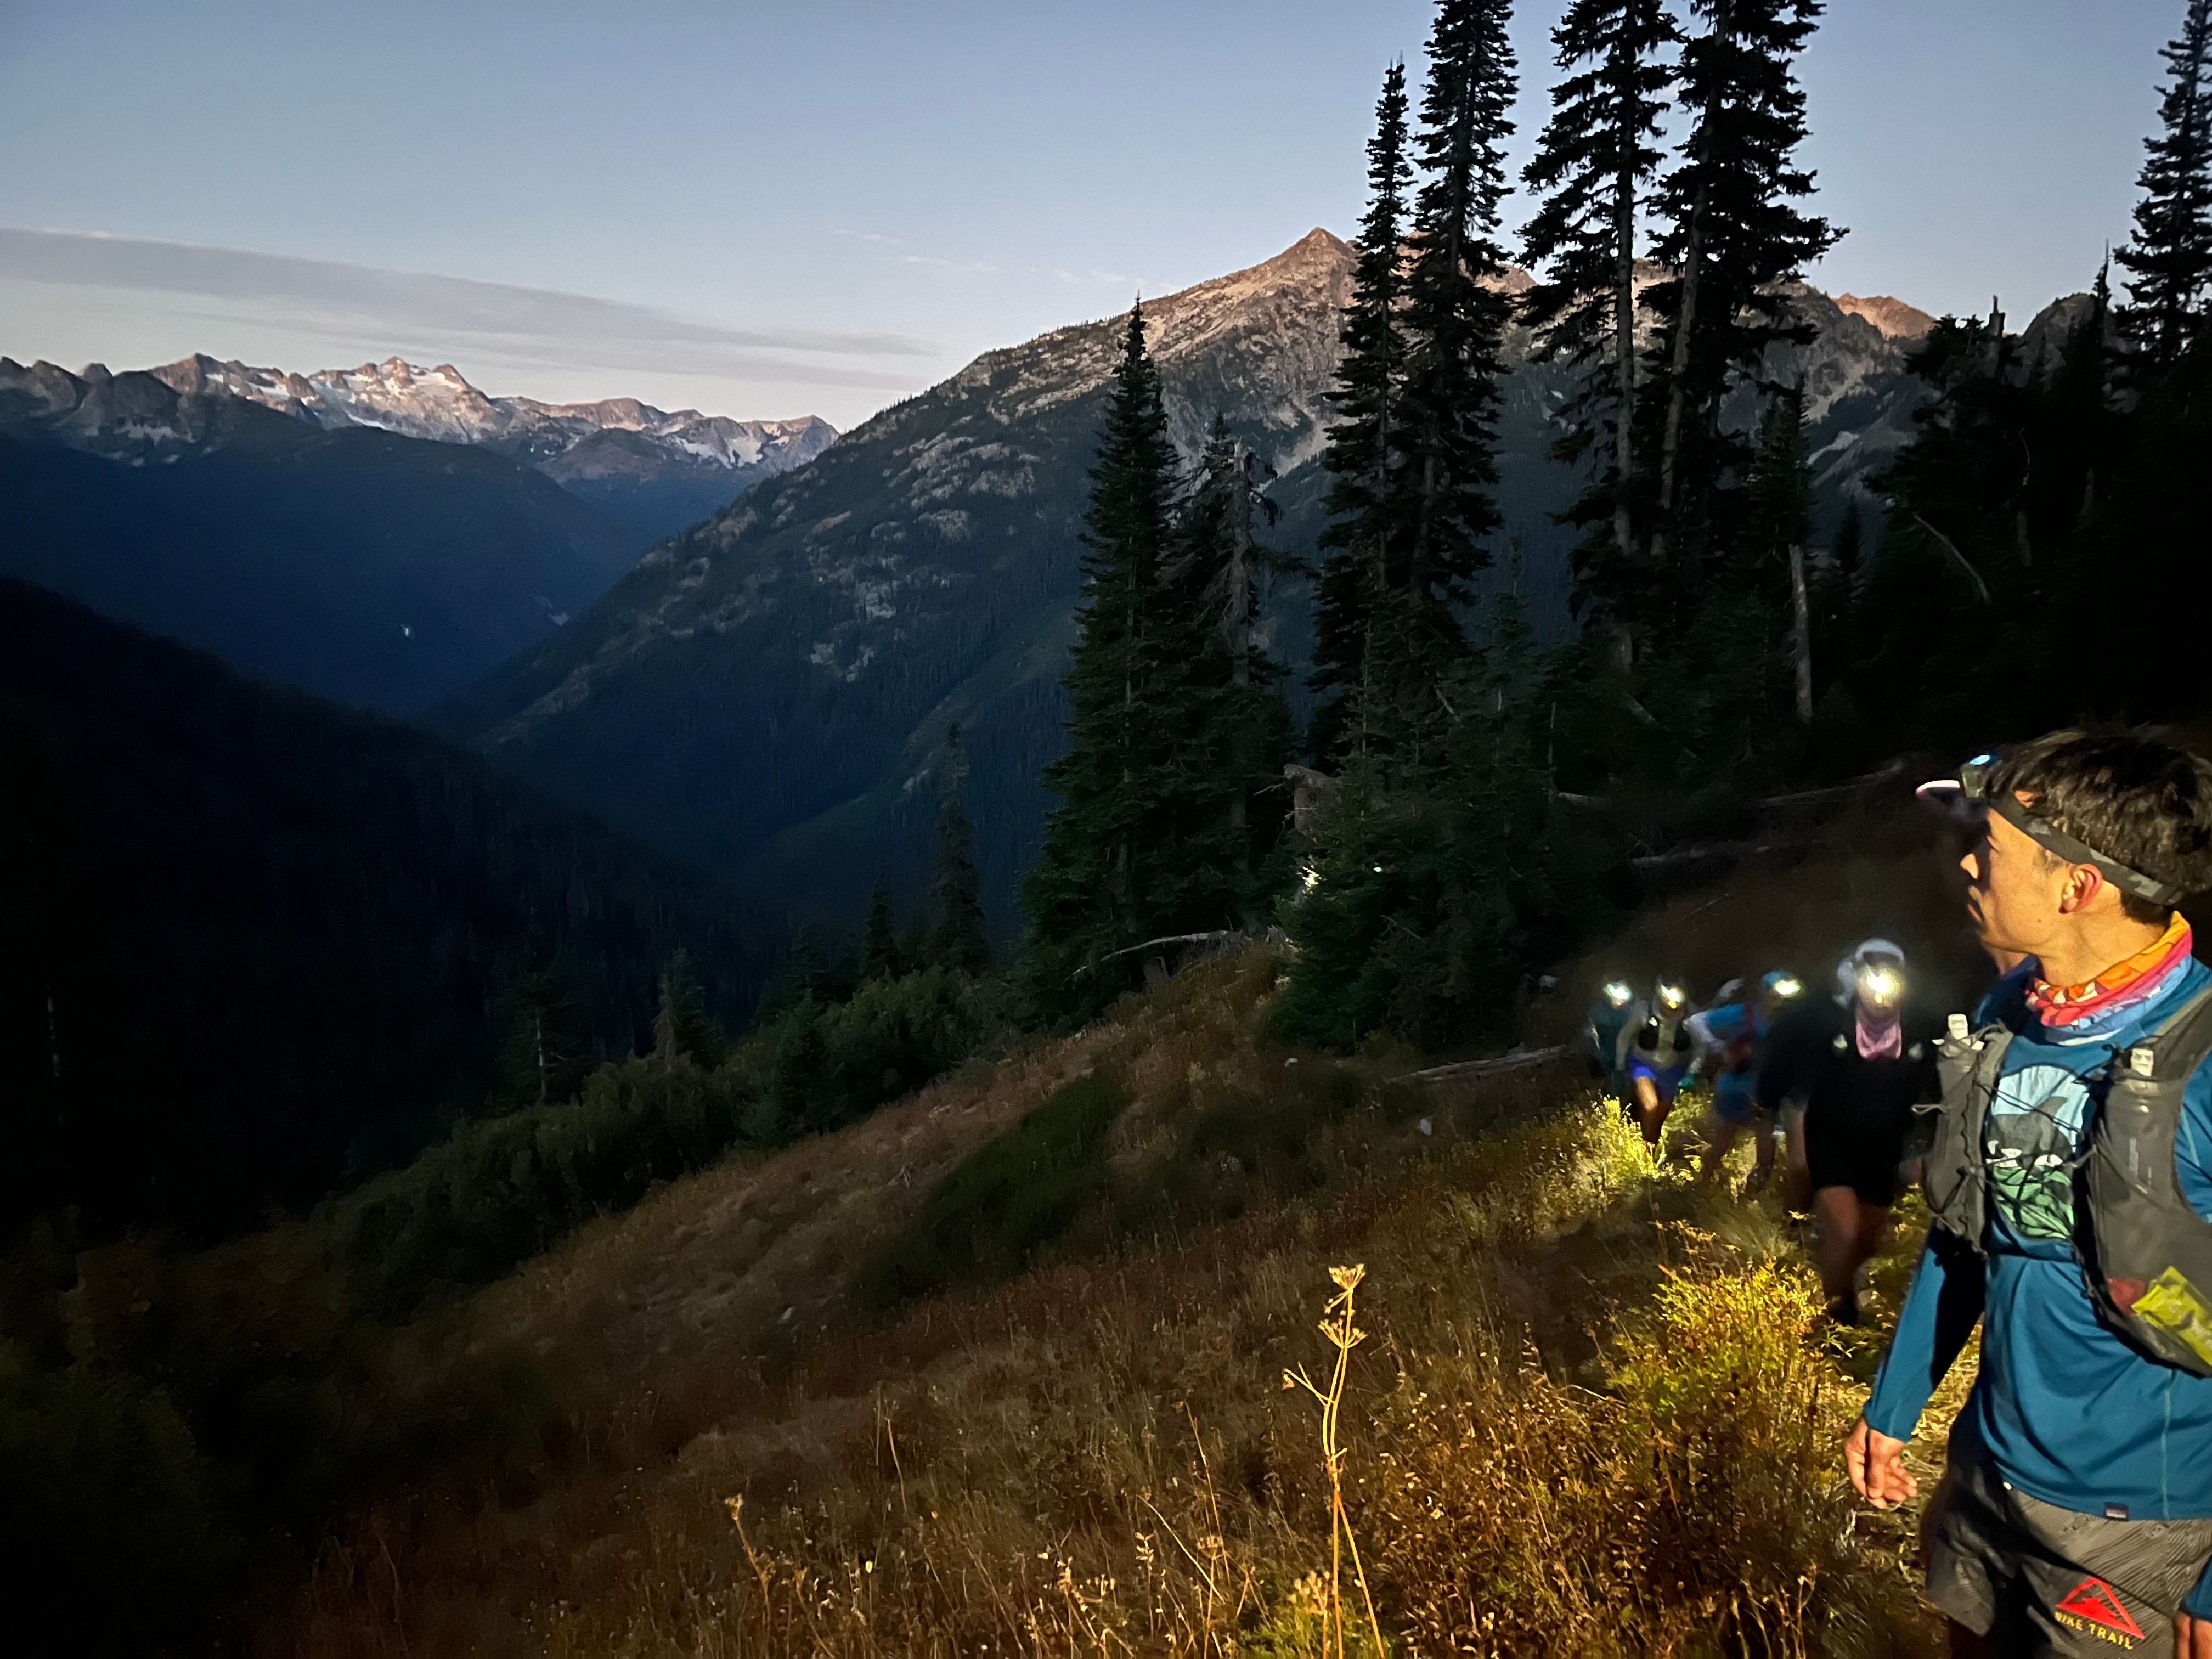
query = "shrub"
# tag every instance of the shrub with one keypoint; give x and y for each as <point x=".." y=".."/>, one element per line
<point x="112" y="1522"/>
<point x="498" y="1192"/>
<point x="896" y="1034"/>
<point x="1015" y="1194"/>
<point x="1692" y="1507"/>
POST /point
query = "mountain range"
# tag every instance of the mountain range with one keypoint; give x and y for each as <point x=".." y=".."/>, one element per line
<point x="766" y="692"/>
<point x="384" y="536"/>
<point x="656" y="470"/>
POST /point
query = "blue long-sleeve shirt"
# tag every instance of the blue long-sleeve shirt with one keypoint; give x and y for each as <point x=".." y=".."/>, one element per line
<point x="2067" y="1410"/>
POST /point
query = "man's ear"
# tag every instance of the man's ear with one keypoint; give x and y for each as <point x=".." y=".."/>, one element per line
<point x="2084" y="882"/>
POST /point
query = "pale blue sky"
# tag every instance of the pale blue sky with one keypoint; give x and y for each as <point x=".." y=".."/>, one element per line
<point x="816" y="207"/>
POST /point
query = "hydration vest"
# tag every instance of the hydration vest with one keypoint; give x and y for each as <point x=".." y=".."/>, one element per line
<point x="2146" y="1253"/>
<point x="1657" y="1038"/>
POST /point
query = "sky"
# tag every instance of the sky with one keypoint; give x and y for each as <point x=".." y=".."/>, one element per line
<point x="820" y="206"/>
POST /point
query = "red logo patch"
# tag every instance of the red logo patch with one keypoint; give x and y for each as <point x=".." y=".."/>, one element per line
<point x="2095" y="1603"/>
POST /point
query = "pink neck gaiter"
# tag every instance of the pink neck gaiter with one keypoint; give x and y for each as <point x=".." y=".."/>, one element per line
<point x="1881" y="1036"/>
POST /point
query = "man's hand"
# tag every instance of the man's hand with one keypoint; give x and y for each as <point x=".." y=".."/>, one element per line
<point x="2192" y="1637"/>
<point x="1876" y="1464"/>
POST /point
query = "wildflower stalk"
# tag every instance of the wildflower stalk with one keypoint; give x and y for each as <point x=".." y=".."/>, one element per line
<point x="1344" y="1336"/>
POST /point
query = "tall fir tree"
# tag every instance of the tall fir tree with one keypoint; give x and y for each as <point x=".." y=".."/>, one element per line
<point x="1088" y="896"/>
<point x="881" y="955"/>
<point x="1456" y="312"/>
<point x="1779" y="493"/>
<point x="1595" y="168"/>
<point x="956" y="938"/>
<point x="798" y="1096"/>
<point x="1367" y="500"/>
<point x="1236" y="725"/>
<point x="1734" y="237"/>
<point x="2170" y="258"/>
<point x="683" y="1027"/>
<point x="546" y="1043"/>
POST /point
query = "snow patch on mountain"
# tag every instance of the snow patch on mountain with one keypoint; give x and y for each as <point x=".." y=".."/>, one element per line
<point x="616" y="439"/>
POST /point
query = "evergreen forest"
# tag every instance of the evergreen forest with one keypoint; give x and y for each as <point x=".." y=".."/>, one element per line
<point x="1477" y="799"/>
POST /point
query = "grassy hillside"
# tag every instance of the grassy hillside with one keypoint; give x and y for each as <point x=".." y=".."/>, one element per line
<point x="1007" y="1367"/>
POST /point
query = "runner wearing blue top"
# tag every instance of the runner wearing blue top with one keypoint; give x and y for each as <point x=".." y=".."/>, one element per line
<point x="1732" y="1041"/>
<point x="1601" y="1035"/>
<point x="2076" y="1513"/>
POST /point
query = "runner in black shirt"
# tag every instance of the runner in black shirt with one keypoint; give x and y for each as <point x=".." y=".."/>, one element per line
<point x="1860" y="1063"/>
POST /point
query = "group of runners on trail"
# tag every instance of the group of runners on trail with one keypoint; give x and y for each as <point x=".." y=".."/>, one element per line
<point x="1839" y="1075"/>
<point x="2065" y="1154"/>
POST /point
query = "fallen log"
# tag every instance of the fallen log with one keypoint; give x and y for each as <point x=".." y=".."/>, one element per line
<point x="1519" y="1060"/>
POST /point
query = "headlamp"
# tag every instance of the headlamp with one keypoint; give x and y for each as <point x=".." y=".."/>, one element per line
<point x="1672" y="996"/>
<point x="1881" y="984"/>
<point x="1617" y="994"/>
<point x="1785" y="986"/>
<point x="1972" y="788"/>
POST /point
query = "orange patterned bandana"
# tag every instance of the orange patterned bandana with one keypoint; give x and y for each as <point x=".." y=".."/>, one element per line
<point x="2128" y="980"/>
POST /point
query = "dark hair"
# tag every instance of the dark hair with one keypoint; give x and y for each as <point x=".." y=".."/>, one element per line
<point x="2132" y="798"/>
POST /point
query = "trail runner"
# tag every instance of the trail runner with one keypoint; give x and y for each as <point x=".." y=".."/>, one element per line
<point x="2070" y="1175"/>
<point x="1732" y="1039"/>
<point x="1654" y="1051"/>
<point x="1860" y="1063"/>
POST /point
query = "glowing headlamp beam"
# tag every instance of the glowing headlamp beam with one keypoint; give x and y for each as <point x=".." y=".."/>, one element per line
<point x="1880" y="986"/>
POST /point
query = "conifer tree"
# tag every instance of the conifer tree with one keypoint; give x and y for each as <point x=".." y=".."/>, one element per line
<point x="1087" y="895"/>
<point x="1779" y="493"/>
<point x="2171" y="256"/>
<point x="1595" y="168"/>
<point x="1234" y="723"/>
<point x="1366" y="500"/>
<point x="1733" y="236"/>
<point x="880" y="955"/>
<point x="684" y="1026"/>
<point x="545" y="1046"/>
<point x="956" y="938"/>
<point x="1849" y="549"/>
<point x="1457" y="314"/>
<point x="798" y="1098"/>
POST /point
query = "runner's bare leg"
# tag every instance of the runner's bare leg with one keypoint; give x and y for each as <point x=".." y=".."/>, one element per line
<point x="1651" y="1111"/>
<point x="1835" y="1254"/>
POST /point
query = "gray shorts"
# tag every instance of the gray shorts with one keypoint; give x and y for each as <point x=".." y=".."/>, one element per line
<point x="2043" y="1580"/>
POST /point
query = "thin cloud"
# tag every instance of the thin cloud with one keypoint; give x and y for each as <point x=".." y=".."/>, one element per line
<point x="456" y="315"/>
<point x="985" y="268"/>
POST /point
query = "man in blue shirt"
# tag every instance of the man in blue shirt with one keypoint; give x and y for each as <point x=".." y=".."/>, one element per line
<point x="2076" y="1512"/>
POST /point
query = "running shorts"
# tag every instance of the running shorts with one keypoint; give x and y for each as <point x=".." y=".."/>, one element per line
<point x="1861" y="1157"/>
<point x="1665" y="1078"/>
<point x="2041" y="1580"/>
<point x="1734" y="1104"/>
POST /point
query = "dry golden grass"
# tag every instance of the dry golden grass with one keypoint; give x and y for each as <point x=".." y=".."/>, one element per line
<point x="1596" y="1415"/>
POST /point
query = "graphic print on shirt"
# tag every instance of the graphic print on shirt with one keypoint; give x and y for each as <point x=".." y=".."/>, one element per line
<point x="2034" y="1130"/>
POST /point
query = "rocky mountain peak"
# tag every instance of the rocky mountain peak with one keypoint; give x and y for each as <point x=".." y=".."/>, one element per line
<point x="1895" y="319"/>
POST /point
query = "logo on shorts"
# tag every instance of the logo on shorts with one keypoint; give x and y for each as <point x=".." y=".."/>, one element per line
<point x="2092" y="1605"/>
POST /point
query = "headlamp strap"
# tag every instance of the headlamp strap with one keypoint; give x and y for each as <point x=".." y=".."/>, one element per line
<point x="2048" y="834"/>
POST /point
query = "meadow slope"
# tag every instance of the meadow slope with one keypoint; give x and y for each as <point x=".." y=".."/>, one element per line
<point x="1006" y="1369"/>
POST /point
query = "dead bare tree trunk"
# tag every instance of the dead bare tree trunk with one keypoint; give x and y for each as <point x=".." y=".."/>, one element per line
<point x="1801" y="634"/>
<point x="1624" y="347"/>
<point x="1239" y="618"/>
<point x="1685" y="323"/>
